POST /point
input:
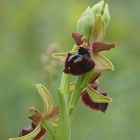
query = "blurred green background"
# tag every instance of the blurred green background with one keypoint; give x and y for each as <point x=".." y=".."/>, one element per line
<point x="31" y="29"/>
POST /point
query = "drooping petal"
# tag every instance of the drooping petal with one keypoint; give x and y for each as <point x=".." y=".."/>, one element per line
<point x="30" y="133"/>
<point x="47" y="98"/>
<point x="92" y="105"/>
<point x="99" y="46"/>
<point x="102" y="63"/>
<point x="96" y="96"/>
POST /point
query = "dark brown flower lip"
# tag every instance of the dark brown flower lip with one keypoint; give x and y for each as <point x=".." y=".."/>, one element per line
<point x="36" y="118"/>
<point x="27" y="130"/>
<point x="83" y="51"/>
<point x="78" y="64"/>
<point x="30" y="128"/>
<point x="92" y="105"/>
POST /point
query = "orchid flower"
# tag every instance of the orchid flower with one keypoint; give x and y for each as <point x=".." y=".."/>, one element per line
<point x="85" y="64"/>
<point x="36" y="130"/>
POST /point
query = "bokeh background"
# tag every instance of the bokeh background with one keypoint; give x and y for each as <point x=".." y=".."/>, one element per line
<point x="31" y="29"/>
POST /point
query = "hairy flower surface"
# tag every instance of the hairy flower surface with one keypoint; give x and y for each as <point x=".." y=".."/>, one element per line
<point x="77" y="64"/>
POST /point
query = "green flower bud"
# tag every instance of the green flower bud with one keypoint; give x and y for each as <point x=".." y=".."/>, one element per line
<point x="94" y="21"/>
<point x="97" y="8"/>
<point x="84" y="24"/>
<point x="98" y="30"/>
<point x="106" y="15"/>
<point x="102" y="20"/>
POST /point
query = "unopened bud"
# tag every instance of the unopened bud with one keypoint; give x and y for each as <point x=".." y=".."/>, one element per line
<point x="84" y="24"/>
<point x="93" y="22"/>
<point x="97" y="8"/>
<point x="106" y="15"/>
<point x="102" y="20"/>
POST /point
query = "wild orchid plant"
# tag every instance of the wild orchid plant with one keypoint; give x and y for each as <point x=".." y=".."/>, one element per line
<point x="83" y="62"/>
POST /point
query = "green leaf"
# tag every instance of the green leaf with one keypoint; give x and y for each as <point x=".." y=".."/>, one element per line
<point x="47" y="98"/>
<point x="96" y="97"/>
<point x="102" y="63"/>
<point x="31" y="135"/>
<point x="64" y="127"/>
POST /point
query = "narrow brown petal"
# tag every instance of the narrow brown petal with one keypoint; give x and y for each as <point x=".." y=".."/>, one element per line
<point x="41" y="134"/>
<point x="36" y="118"/>
<point x="77" y="37"/>
<point x="54" y="112"/>
<point x="94" y="106"/>
<point x="99" y="46"/>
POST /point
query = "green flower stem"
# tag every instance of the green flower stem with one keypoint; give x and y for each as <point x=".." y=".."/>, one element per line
<point x="65" y="81"/>
<point x="79" y="87"/>
<point x="76" y="92"/>
<point x="64" y="85"/>
<point x="87" y="77"/>
<point x="46" y="124"/>
<point x="64" y="127"/>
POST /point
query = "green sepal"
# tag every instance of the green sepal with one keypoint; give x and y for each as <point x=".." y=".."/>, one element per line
<point x="31" y="135"/>
<point x="98" y="30"/>
<point x="62" y="56"/>
<point x="64" y="130"/>
<point x="84" y="24"/>
<point x="47" y="98"/>
<point x="97" y="97"/>
<point x="102" y="63"/>
<point x="106" y="16"/>
<point x="97" y="8"/>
